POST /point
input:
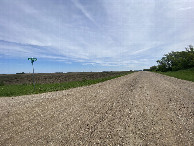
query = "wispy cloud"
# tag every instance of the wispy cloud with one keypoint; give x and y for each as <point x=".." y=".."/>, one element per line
<point x="83" y="10"/>
<point x="186" y="8"/>
<point x="123" y="33"/>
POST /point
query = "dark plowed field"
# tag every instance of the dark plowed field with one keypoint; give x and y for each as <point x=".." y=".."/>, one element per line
<point x="43" y="78"/>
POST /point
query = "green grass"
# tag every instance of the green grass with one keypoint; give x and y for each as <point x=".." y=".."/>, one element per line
<point x="17" y="90"/>
<point x="181" y="74"/>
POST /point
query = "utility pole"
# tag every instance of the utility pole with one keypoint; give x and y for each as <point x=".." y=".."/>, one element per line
<point x="32" y="61"/>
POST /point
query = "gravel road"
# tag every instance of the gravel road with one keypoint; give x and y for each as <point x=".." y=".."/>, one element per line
<point x="142" y="108"/>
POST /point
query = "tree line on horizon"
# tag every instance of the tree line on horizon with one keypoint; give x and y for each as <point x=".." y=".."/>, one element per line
<point x="175" y="61"/>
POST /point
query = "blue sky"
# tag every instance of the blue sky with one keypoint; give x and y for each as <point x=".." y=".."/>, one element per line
<point x="91" y="35"/>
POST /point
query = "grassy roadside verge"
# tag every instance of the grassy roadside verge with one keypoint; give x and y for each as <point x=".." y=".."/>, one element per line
<point x="187" y="74"/>
<point x="18" y="90"/>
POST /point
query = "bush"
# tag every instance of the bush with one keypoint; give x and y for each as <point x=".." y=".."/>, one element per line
<point x="153" y="68"/>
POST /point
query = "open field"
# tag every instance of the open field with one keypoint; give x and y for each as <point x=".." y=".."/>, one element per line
<point x="142" y="108"/>
<point x="46" y="78"/>
<point x="26" y="89"/>
<point x="187" y="74"/>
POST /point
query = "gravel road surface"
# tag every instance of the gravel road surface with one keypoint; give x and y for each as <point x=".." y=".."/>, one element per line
<point x="142" y="108"/>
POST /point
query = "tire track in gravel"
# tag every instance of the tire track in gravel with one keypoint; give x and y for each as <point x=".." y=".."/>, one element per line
<point x="142" y="108"/>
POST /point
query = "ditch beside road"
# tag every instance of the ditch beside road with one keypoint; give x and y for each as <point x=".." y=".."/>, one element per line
<point x="136" y="109"/>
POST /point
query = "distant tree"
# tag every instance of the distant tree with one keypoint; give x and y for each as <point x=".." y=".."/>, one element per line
<point x="146" y="69"/>
<point x="190" y="56"/>
<point x="162" y="65"/>
<point x="190" y="49"/>
<point x="153" y="68"/>
<point x="174" y="61"/>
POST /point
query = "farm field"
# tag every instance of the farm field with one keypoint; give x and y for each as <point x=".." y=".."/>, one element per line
<point x="46" y="78"/>
<point x="143" y="108"/>
<point x="52" y="82"/>
<point x="26" y="89"/>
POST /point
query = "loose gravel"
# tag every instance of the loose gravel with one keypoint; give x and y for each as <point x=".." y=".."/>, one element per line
<point x="142" y="108"/>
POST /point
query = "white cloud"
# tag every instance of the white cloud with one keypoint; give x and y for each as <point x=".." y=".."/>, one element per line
<point x="83" y="10"/>
<point x="186" y="8"/>
<point x="106" y="33"/>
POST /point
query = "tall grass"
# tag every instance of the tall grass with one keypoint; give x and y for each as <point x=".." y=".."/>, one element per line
<point x="187" y="74"/>
<point x="26" y="89"/>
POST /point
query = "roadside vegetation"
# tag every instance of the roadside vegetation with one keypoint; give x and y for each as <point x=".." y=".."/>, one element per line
<point x="177" y="64"/>
<point x="26" y="89"/>
<point x="187" y="74"/>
